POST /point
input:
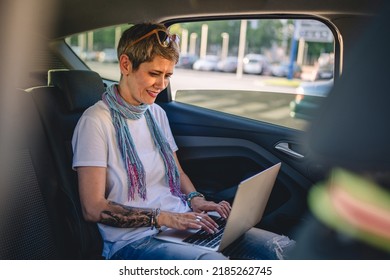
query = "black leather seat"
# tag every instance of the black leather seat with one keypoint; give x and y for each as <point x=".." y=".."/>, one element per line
<point x="32" y="202"/>
<point x="61" y="104"/>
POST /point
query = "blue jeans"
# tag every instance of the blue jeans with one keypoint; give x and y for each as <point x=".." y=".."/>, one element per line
<point x="255" y="244"/>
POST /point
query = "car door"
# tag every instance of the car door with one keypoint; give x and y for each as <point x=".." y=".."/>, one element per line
<point x="219" y="150"/>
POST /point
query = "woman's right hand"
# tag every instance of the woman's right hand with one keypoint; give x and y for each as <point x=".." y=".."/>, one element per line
<point x="190" y="220"/>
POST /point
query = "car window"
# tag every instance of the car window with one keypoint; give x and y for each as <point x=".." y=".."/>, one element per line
<point x="272" y="70"/>
<point x="97" y="48"/>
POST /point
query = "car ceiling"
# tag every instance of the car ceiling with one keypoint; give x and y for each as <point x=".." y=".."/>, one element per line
<point x="75" y="16"/>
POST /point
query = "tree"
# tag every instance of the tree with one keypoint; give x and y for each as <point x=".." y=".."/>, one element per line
<point x="262" y="34"/>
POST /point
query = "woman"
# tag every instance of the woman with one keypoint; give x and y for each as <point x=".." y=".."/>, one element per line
<point x="130" y="179"/>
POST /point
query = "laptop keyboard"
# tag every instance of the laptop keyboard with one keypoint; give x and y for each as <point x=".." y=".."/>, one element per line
<point x="203" y="238"/>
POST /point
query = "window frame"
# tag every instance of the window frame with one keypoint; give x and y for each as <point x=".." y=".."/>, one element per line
<point x="166" y="96"/>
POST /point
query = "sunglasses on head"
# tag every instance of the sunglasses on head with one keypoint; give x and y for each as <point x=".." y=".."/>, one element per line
<point x="163" y="37"/>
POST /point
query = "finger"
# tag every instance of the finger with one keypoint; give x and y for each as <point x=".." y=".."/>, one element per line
<point x="212" y="206"/>
<point x="209" y="225"/>
<point x="225" y="208"/>
<point x="200" y="224"/>
<point x="194" y="224"/>
<point x="205" y="219"/>
<point x="197" y="220"/>
<point x="211" y="221"/>
<point x="222" y="212"/>
<point x="225" y="204"/>
<point x="222" y="208"/>
<point x="206" y="222"/>
<point x="192" y="220"/>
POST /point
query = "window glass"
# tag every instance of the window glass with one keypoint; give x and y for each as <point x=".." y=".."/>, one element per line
<point x="272" y="70"/>
<point x="97" y="49"/>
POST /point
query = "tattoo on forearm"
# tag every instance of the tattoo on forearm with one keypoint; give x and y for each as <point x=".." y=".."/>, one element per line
<point x="118" y="215"/>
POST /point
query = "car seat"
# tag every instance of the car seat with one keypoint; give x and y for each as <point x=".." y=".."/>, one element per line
<point x="61" y="104"/>
<point x="32" y="202"/>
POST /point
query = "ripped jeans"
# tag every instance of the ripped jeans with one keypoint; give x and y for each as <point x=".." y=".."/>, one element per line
<point x="255" y="244"/>
<point x="259" y="244"/>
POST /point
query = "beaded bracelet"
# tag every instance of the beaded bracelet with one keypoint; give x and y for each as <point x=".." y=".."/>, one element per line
<point x="153" y="219"/>
<point x="191" y="195"/>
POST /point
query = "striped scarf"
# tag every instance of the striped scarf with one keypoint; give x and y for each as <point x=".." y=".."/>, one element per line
<point x="136" y="178"/>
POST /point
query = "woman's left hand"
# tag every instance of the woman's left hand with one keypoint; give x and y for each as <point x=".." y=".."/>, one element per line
<point x="199" y="204"/>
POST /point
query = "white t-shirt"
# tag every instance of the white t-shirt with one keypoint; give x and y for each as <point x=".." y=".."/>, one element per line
<point x="94" y="144"/>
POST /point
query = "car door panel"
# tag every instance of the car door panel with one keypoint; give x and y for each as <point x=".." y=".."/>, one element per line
<point x="219" y="150"/>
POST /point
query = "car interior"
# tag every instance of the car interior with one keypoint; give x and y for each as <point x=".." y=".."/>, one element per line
<point x="40" y="208"/>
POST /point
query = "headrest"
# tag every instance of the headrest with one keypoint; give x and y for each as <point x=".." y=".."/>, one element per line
<point x="351" y="129"/>
<point x="81" y="88"/>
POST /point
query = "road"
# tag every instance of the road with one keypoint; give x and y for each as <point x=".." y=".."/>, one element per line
<point x="191" y="79"/>
<point x="252" y="96"/>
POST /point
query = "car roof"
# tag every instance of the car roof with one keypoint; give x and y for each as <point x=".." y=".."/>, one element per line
<point x="75" y="16"/>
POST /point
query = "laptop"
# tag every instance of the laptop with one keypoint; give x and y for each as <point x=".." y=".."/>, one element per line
<point x="247" y="210"/>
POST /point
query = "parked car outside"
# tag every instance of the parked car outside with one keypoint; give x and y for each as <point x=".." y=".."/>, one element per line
<point x="186" y="61"/>
<point x="90" y="55"/>
<point x="86" y="55"/>
<point x="207" y="63"/>
<point x="229" y="64"/>
<point x="108" y="56"/>
<point x="283" y="69"/>
<point x="256" y="64"/>
<point x="309" y="97"/>
<point x="325" y="67"/>
<point x="325" y="72"/>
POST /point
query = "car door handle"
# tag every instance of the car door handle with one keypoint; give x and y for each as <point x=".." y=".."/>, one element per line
<point x="284" y="147"/>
